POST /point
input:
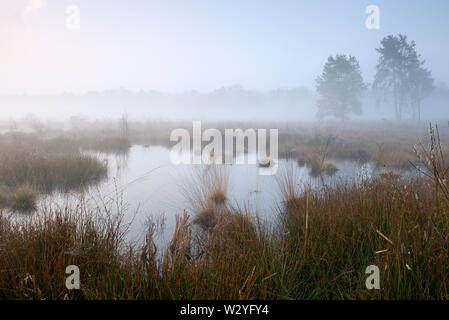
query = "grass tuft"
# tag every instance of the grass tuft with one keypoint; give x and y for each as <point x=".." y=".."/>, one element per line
<point x="24" y="199"/>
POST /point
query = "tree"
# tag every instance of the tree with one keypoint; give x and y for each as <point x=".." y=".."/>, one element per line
<point x="421" y="85"/>
<point x="390" y="72"/>
<point x="339" y="87"/>
<point x="400" y="75"/>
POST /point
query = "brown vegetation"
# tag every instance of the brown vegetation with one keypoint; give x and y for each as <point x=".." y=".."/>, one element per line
<point x="29" y="165"/>
<point x="319" y="248"/>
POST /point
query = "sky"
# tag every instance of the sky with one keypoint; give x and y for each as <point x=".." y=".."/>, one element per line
<point x="183" y="45"/>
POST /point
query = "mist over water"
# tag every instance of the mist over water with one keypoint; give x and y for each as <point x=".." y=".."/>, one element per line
<point x="233" y="103"/>
<point x="207" y="61"/>
<point x="150" y="186"/>
<point x="247" y="150"/>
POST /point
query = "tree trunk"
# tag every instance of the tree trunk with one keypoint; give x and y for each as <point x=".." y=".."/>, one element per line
<point x="419" y="110"/>
<point x="397" y="106"/>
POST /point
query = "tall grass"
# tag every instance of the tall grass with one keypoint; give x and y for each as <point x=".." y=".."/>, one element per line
<point x="114" y="145"/>
<point x="206" y="192"/>
<point x="47" y="164"/>
<point x="29" y="166"/>
<point x="387" y="144"/>
<point x="319" y="248"/>
<point x="343" y="235"/>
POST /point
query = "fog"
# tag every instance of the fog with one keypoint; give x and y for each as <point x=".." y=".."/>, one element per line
<point x="224" y="149"/>
<point x="228" y="103"/>
<point x="172" y="60"/>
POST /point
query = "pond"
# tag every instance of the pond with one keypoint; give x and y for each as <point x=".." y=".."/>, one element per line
<point x="151" y="186"/>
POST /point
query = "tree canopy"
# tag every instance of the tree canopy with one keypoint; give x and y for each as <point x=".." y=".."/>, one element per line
<point x="400" y="76"/>
<point x="339" y="87"/>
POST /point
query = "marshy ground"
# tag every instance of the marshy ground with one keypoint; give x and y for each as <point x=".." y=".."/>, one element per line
<point x="318" y="246"/>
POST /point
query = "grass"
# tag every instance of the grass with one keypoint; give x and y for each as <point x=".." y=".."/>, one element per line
<point x="29" y="166"/>
<point x="389" y="145"/>
<point x="317" y="164"/>
<point x="5" y="196"/>
<point x="114" y="145"/>
<point x="219" y="197"/>
<point x="327" y="260"/>
<point x="318" y="248"/>
<point x="23" y="199"/>
<point x="206" y="191"/>
<point x="329" y="168"/>
<point x="47" y="164"/>
<point x="51" y="172"/>
<point x="389" y="175"/>
<point x="207" y="218"/>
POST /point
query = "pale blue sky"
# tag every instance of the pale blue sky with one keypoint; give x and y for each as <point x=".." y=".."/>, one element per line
<point x="191" y="44"/>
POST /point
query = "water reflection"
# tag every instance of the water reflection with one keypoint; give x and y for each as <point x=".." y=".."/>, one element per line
<point x="151" y="186"/>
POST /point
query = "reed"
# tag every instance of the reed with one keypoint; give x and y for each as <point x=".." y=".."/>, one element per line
<point x="29" y="166"/>
<point x="206" y="192"/>
<point x="319" y="247"/>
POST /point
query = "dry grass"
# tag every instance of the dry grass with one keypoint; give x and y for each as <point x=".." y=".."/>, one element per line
<point x="342" y="239"/>
<point x="219" y="197"/>
<point x="48" y="165"/>
<point x="319" y="249"/>
<point x="317" y="164"/>
<point x="5" y="196"/>
<point x="23" y="199"/>
<point x="115" y="145"/>
<point x="206" y="191"/>
<point x="389" y="175"/>
<point x="206" y="218"/>
<point x="29" y="166"/>
<point x="389" y="144"/>
<point x="329" y="168"/>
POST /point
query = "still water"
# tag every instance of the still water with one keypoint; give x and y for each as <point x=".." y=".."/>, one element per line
<point x="149" y="185"/>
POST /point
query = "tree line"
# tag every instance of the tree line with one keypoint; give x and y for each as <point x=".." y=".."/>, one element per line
<point x="401" y="79"/>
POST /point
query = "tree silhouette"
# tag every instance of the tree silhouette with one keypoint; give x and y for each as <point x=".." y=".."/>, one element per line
<point x="400" y="75"/>
<point x="339" y="87"/>
<point x="421" y="85"/>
